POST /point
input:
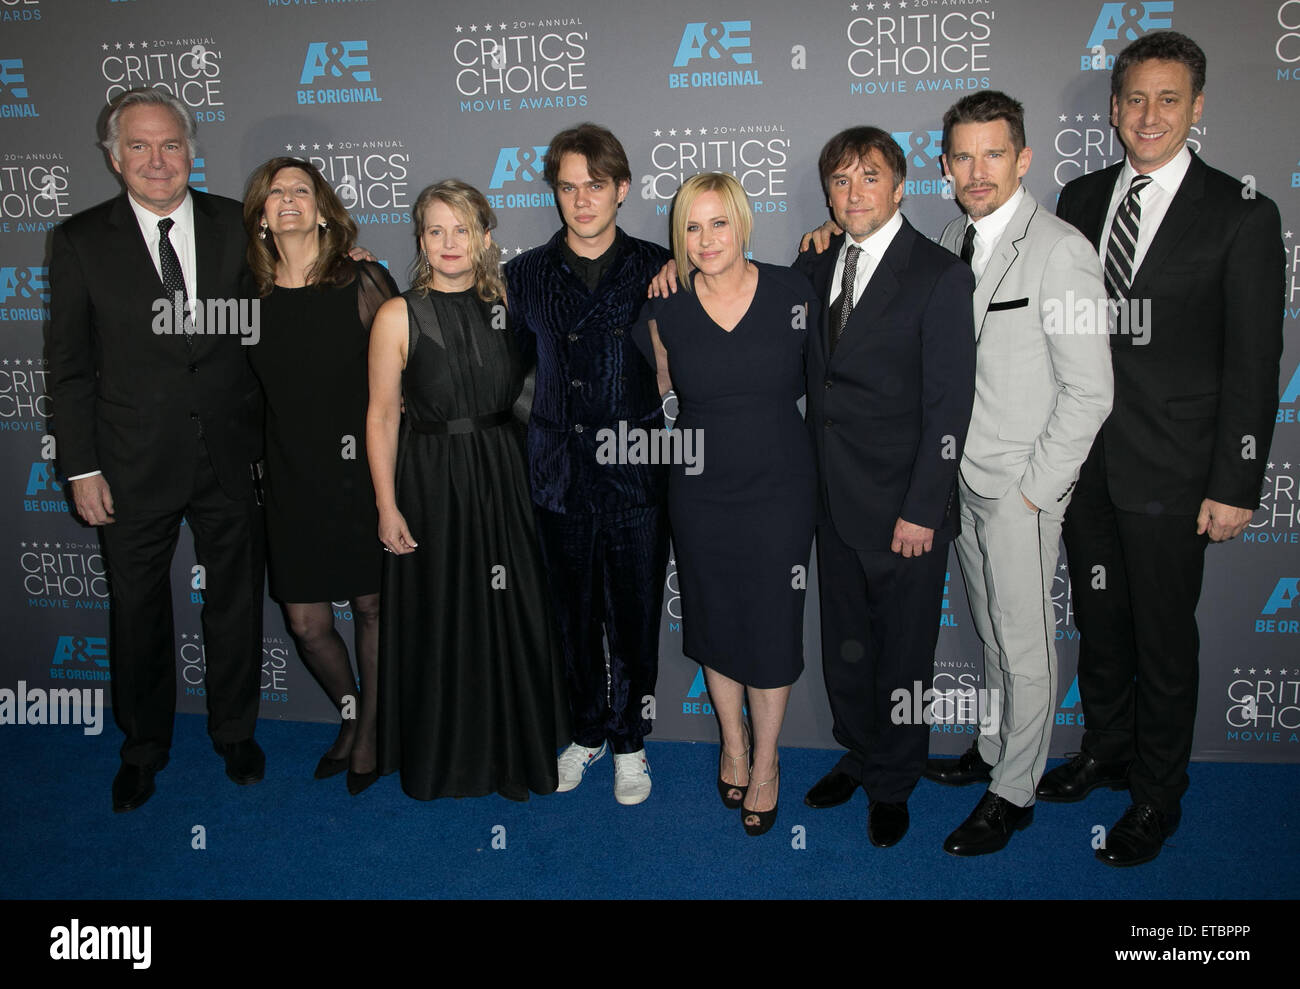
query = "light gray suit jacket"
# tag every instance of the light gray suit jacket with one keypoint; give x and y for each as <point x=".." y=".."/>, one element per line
<point x="1043" y="383"/>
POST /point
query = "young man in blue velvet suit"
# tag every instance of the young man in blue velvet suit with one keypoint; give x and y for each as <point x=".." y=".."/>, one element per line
<point x="602" y="527"/>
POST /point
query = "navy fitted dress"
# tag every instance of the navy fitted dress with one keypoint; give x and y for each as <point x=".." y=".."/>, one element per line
<point x="743" y="515"/>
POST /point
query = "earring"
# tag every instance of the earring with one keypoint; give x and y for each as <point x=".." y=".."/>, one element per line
<point x="261" y="233"/>
<point x="425" y="269"/>
<point x="324" y="226"/>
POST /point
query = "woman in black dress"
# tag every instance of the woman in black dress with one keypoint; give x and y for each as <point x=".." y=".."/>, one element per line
<point x="472" y="698"/>
<point x="742" y="504"/>
<point x="316" y="309"/>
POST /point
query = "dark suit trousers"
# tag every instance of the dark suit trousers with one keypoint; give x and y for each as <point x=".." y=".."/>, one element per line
<point x="606" y="573"/>
<point x="880" y="624"/>
<point x="1138" y="669"/>
<point x="138" y="548"/>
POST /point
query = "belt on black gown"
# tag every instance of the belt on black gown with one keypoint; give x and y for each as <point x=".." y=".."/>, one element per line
<point x="470" y="424"/>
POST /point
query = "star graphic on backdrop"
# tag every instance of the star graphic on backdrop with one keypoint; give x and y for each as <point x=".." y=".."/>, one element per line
<point x="1268" y="673"/>
<point x="1062" y="567"/>
<point x="1283" y="672"/>
<point x="288" y="147"/>
<point x="519" y="250"/>
<point x="459" y="29"/>
<point x="1269" y="466"/>
<point x="1251" y="671"/>
<point x="1236" y="669"/>
<point x="503" y="25"/>
<point x="505" y="251"/>
<point x="902" y="4"/>
<point x="117" y="46"/>
<point x="885" y="4"/>
<point x="473" y="28"/>
<point x="144" y="44"/>
<point x="302" y="147"/>
<point x="131" y="45"/>
<point x="1286" y="466"/>
<point x="1079" y="117"/>
<point x="1063" y="118"/>
<point x="330" y="146"/>
<point x="672" y="131"/>
<point x="853" y="6"/>
<point x="1287" y="235"/>
<point x="687" y="132"/>
<point x="104" y="46"/>
<point x="315" y="147"/>
<point x="658" y="133"/>
<point x="1096" y="116"/>
<point x="871" y="6"/>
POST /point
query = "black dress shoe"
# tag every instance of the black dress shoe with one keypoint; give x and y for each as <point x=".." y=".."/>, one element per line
<point x="357" y="782"/>
<point x="245" y="762"/>
<point x="886" y="823"/>
<point x="831" y="790"/>
<point x="1138" y="835"/>
<point x="970" y="767"/>
<point x="989" y="827"/>
<point x="1079" y="777"/>
<point x="133" y="785"/>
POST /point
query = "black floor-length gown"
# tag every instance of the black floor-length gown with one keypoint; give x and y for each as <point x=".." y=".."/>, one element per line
<point x="472" y="694"/>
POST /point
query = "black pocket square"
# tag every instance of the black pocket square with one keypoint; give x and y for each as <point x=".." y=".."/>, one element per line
<point x="1012" y="304"/>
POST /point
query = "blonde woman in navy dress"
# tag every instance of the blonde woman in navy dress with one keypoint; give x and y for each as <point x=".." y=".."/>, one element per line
<point x="731" y="345"/>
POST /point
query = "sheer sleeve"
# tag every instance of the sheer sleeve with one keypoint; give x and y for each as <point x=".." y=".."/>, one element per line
<point x="375" y="286"/>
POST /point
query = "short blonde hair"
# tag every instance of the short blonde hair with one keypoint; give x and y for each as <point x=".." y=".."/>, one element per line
<point x="735" y="206"/>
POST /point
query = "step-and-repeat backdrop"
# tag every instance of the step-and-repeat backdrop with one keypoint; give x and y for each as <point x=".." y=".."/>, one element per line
<point x="386" y="96"/>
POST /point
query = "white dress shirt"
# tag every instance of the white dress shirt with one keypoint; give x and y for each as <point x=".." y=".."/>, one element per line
<point x="988" y="230"/>
<point x="873" y="249"/>
<point x="1153" y="200"/>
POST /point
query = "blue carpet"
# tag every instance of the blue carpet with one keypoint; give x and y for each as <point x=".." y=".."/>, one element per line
<point x="294" y="837"/>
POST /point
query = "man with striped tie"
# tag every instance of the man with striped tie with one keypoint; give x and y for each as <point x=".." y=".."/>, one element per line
<point x="1180" y="461"/>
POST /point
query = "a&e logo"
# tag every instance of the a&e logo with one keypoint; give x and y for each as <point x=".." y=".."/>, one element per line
<point x="1121" y="23"/>
<point x="29" y="290"/>
<point x="14" y="100"/>
<point x="1284" y="597"/>
<point x="333" y="68"/>
<point x="519" y="165"/>
<point x="923" y="151"/>
<point x="721" y="47"/>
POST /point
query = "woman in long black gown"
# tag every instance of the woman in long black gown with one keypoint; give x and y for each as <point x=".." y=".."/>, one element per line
<point x="732" y="347"/>
<point x="471" y="680"/>
<point x="316" y="309"/>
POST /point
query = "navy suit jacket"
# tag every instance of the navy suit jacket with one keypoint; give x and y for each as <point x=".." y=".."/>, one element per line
<point x="889" y="409"/>
<point x="590" y="375"/>
<point x="1195" y="406"/>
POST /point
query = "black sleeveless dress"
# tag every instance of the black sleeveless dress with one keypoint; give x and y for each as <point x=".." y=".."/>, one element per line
<point x="472" y="698"/>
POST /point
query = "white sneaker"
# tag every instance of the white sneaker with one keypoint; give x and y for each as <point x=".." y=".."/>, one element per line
<point x="631" y="778"/>
<point x="573" y="765"/>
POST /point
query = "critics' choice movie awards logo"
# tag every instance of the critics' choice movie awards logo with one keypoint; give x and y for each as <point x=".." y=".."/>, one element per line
<point x="188" y="68"/>
<point x="79" y="657"/>
<point x="757" y="155"/>
<point x="1287" y="46"/>
<point x="15" y="100"/>
<point x="1119" y="23"/>
<point x="521" y="64"/>
<point x="1085" y="143"/>
<point x="712" y="55"/>
<point x="371" y="177"/>
<point x="917" y="51"/>
<point x="337" y="72"/>
<point x="19" y="11"/>
<point x="63" y="575"/>
<point x="274" y="684"/>
<point x="33" y="191"/>
<point x="24" y="402"/>
<point x="1277" y="521"/>
<point x="1263" y="705"/>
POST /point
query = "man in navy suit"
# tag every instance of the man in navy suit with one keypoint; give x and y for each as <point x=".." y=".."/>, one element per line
<point x="153" y="428"/>
<point x="1180" y="461"/>
<point x="890" y="389"/>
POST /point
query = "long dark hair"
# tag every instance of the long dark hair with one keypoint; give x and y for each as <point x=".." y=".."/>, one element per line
<point x="332" y="267"/>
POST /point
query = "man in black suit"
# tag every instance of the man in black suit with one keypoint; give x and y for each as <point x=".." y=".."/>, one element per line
<point x="1180" y="460"/>
<point x="155" y="426"/>
<point x="890" y="388"/>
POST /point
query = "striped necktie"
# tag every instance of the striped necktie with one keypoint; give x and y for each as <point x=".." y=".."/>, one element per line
<point x="1123" y="240"/>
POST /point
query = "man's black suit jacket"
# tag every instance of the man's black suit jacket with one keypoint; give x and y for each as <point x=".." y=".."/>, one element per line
<point x="1195" y="406"/>
<point x="125" y="397"/>
<point x="889" y="409"/>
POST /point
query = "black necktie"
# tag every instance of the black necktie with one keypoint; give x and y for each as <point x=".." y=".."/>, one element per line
<point x="846" y="293"/>
<point x="968" y="243"/>
<point x="1123" y="240"/>
<point x="173" y="278"/>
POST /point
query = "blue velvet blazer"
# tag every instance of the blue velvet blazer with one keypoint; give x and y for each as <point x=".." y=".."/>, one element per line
<point x="590" y="374"/>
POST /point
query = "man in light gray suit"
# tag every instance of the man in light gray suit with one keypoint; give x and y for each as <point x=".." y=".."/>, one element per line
<point x="1043" y="387"/>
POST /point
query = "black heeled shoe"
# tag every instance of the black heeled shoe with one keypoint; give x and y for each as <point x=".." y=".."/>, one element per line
<point x="766" y="818"/>
<point x="328" y="767"/>
<point x="360" y="781"/>
<point x="725" y="788"/>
